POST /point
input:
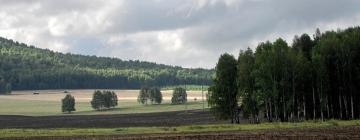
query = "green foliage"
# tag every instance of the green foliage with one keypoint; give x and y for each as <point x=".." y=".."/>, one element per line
<point x="179" y="96"/>
<point x="110" y="133"/>
<point x="27" y="67"/>
<point x="153" y="94"/>
<point x="222" y="96"/>
<point x="104" y="99"/>
<point x="312" y="79"/>
<point x="246" y="84"/>
<point x="144" y="95"/>
<point x="68" y="103"/>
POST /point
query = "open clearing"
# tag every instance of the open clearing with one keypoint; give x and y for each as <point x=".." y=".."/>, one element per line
<point x="48" y="102"/>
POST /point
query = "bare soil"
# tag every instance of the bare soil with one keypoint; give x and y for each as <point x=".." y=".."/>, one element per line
<point x="175" y="118"/>
<point x="332" y="133"/>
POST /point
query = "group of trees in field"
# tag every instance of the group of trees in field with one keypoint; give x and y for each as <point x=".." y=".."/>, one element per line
<point x="101" y="100"/>
<point x="104" y="100"/>
<point x="314" y="78"/>
<point x="152" y="94"/>
<point x="179" y="96"/>
<point x="25" y="67"/>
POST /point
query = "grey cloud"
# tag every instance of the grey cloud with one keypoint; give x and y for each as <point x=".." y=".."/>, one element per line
<point x="197" y="31"/>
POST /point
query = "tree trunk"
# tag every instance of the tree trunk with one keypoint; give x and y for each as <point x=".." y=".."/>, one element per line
<point x="314" y="103"/>
<point x="321" y="109"/>
<point x="321" y="102"/>
<point x="327" y="107"/>
<point x="295" y="108"/>
<point x="271" y="113"/>
<point x="276" y="113"/>
<point x="341" y="114"/>
<point x="352" y="106"/>
<point x="298" y="107"/>
<point x="346" y="107"/>
<point x="267" y="109"/>
<point x="304" y="107"/>
<point x="284" y="109"/>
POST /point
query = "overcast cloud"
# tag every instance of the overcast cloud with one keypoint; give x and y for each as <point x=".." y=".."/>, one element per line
<point x="188" y="33"/>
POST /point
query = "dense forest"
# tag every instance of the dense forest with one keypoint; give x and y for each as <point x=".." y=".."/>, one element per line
<point x="26" y="67"/>
<point x="314" y="78"/>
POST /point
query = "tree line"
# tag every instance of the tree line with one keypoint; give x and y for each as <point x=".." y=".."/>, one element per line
<point x="314" y="78"/>
<point x="25" y="67"/>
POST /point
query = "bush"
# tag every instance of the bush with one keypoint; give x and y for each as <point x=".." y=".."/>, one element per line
<point x="68" y="103"/>
<point x="104" y="99"/>
<point x="179" y="96"/>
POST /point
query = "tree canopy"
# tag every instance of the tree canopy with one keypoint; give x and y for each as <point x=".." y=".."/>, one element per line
<point x="104" y="100"/>
<point x="179" y="96"/>
<point x="222" y="94"/>
<point x="152" y="94"/>
<point x="68" y="103"/>
<point x="313" y="78"/>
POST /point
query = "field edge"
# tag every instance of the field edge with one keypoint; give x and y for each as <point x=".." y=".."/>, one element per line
<point x="187" y="129"/>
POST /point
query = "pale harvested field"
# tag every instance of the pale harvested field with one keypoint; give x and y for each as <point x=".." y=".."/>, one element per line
<point x="86" y="95"/>
<point x="48" y="102"/>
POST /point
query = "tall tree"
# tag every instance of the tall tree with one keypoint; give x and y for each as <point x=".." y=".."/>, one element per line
<point x="222" y="96"/>
<point x="246" y="84"/>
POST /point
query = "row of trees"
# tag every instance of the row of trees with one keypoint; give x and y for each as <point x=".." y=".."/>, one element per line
<point x="101" y="100"/>
<point x="104" y="100"/>
<point x="314" y="78"/>
<point x="26" y="67"/>
<point x="152" y="94"/>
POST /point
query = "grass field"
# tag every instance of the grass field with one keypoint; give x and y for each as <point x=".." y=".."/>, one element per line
<point x="48" y="102"/>
<point x="7" y="133"/>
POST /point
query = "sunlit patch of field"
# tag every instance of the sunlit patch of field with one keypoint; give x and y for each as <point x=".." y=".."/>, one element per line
<point x="48" y="102"/>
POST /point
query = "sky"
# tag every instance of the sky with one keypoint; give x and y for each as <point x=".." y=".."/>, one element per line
<point x="187" y="33"/>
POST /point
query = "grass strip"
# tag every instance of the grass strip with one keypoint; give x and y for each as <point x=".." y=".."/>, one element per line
<point x="7" y="133"/>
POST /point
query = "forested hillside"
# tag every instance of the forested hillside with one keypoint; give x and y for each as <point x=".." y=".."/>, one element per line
<point x="314" y="78"/>
<point x="26" y="67"/>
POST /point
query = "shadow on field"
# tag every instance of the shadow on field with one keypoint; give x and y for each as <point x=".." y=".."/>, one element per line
<point x="110" y="121"/>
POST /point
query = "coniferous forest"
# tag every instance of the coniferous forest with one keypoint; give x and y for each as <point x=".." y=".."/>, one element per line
<point x="315" y="77"/>
<point x="26" y="67"/>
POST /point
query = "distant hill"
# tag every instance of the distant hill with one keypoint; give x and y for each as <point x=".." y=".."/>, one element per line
<point x="28" y="67"/>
